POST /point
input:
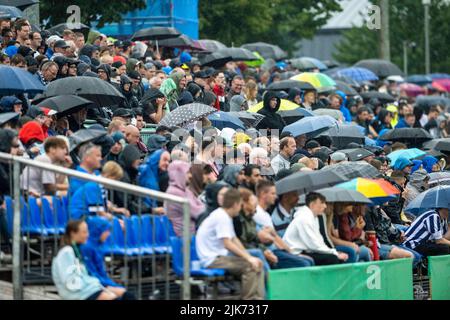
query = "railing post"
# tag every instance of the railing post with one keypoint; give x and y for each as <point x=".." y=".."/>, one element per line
<point x="186" y="252"/>
<point x="17" y="270"/>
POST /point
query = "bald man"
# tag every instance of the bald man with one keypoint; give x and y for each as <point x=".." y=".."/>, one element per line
<point x="133" y="136"/>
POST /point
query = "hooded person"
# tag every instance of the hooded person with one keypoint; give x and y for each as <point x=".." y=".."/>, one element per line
<point x="295" y="96"/>
<point x="131" y="64"/>
<point x="106" y="68"/>
<point x="401" y="164"/>
<point x="209" y="99"/>
<point x="238" y="103"/>
<point x="87" y="50"/>
<point x="383" y="120"/>
<point x="270" y="108"/>
<point x="211" y="199"/>
<point x="428" y="162"/>
<point x="131" y="101"/>
<point x="7" y="138"/>
<point x="195" y="90"/>
<point x="185" y="98"/>
<point x="31" y="133"/>
<point x="150" y="106"/>
<point x="63" y="66"/>
<point x="82" y="68"/>
<point x="169" y="89"/>
<point x="231" y="174"/>
<point x="10" y="104"/>
<point x="179" y="185"/>
<point x="418" y="183"/>
<point x="346" y="113"/>
<point x="153" y="174"/>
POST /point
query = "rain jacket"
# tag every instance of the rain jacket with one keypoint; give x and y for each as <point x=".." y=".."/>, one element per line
<point x="428" y="163"/>
<point x="88" y="200"/>
<point x="169" y="89"/>
<point x="293" y="93"/>
<point x="379" y="124"/>
<point x="126" y="158"/>
<point x="230" y="174"/>
<point x="416" y="185"/>
<point x="131" y="101"/>
<point x="272" y="119"/>
<point x="71" y="277"/>
<point x="6" y="138"/>
<point x="92" y="251"/>
<point x="149" y="175"/>
<point x="178" y="187"/>
<point x="236" y="103"/>
<point x="343" y="109"/>
<point x="401" y="163"/>
<point x="7" y="103"/>
<point x="31" y="130"/>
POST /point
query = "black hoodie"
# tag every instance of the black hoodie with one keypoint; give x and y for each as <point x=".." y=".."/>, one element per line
<point x="211" y="193"/>
<point x="272" y="119"/>
<point x="293" y="93"/>
<point x="148" y="103"/>
<point x="6" y="139"/>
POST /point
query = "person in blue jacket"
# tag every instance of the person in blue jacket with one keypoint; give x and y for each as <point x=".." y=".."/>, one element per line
<point x="93" y="257"/>
<point x="403" y="164"/>
<point x="343" y="108"/>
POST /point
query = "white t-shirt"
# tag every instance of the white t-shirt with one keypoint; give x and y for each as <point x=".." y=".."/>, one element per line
<point x="263" y="218"/>
<point x="33" y="179"/>
<point x="210" y="235"/>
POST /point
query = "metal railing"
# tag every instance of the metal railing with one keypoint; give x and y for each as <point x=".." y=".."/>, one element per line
<point x="17" y="249"/>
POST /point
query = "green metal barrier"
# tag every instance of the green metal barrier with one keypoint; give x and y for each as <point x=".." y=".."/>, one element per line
<point x="439" y="273"/>
<point x="378" y="280"/>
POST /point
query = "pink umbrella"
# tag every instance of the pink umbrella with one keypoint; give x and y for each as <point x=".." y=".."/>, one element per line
<point x="444" y="83"/>
<point x="412" y="90"/>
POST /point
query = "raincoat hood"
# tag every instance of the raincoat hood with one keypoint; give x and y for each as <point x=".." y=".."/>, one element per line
<point x="31" y="130"/>
<point x="176" y="77"/>
<point x="211" y="192"/>
<point x="417" y="179"/>
<point x="107" y="69"/>
<point x="131" y="64"/>
<point x="178" y="174"/>
<point x="6" y="139"/>
<point x="269" y="96"/>
<point x="169" y="89"/>
<point x="96" y="226"/>
<point x="7" y="103"/>
<point x="401" y="163"/>
<point x="129" y="155"/>
<point x="148" y="172"/>
<point x="293" y="93"/>
<point x="236" y="103"/>
<point x="428" y="163"/>
<point x="231" y="173"/>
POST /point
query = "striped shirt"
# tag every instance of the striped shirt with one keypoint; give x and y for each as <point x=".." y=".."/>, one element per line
<point x="427" y="227"/>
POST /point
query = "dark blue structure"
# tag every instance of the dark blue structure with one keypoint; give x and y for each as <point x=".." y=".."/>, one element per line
<point x="180" y="14"/>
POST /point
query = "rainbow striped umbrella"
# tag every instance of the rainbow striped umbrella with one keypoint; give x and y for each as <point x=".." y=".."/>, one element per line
<point x="318" y="80"/>
<point x="377" y="190"/>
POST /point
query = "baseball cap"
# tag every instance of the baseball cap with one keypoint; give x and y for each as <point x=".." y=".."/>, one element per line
<point x="338" y="157"/>
<point x="118" y="44"/>
<point x="61" y="44"/>
<point x="312" y="144"/>
<point x="117" y="136"/>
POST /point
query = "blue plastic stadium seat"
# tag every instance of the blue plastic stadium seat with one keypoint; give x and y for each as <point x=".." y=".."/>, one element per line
<point x="149" y="237"/>
<point x="51" y="219"/>
<point x="196" y="269"/>
<point x="115" y="244"/>
<point x="61" y="211"/>
<point x="164" y="231"/>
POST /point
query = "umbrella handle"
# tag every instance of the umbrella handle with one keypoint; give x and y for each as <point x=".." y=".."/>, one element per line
<point x="157" y="48"/>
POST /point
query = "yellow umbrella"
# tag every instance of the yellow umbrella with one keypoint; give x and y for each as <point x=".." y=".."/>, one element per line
<point x="286" y="105"/>
<point x="318" y="80"/>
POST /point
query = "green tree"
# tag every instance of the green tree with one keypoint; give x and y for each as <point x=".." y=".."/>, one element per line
<point x="406" y="24"/>
<point x="91" y="10"/>
<point x="281" y="22"/>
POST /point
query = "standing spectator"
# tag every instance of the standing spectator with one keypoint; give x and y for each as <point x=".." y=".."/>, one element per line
<point x="237" y="84"/>
<point x="218" y="247"/>
<point x="272" y="120"/>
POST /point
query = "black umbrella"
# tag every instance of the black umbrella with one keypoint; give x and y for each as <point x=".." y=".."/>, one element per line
<point x="346" y="88"/>
<point x="308" y="181"/>
<point x="212" y="45"/>
<point x="181" y="42"/>
<point x="59" y="28"/>
<point x="268" y="51"/>
<point x="84" y="136"/>
<point x="249" y="119"/>
<point x="215" y="60"/>
<point x="346" y="80"/>
<point x="288" y="75"/>
<point x="357" y="154"/>
<point x="336" y="195"/>
<point x="238" y="54"/>
<point x="96" y="90"/>
<point x="155" y="33"/>
<point x="8" y="116"/>
<point x="286" y="85"/>
<point x="186" y="114"/>
<point x="341" y="135"/>
<point x="352" y="170"/>
<point x="21" y="4"/>
<point x="66" y="104"/>
<point x="383" y="97"/>
<point x="438" y="145"/>
<point x="382" y="68"/>
<point x="408" y="135"/>
<point x="291" y="116"/>
<point x="426" y="102"/>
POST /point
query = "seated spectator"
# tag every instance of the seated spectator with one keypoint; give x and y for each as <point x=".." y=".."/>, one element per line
<point x="233" y="174"/>
<point x="303" y="234"/>
<point x="93" y="257"/>
<point x="252" y="175"/>
<point x="181" y="183"/>
<point x="91" y="158"/>
<point x="428" y="234"/>
<point x="37" y="182"/>
<point x="213" y="199"/>
<point x="283" y="214"/>
<point x="69" y="273"/>
<point x="219" y="248"/>
<point x="287" y="150"/>
<point x="418" y="183"/>
<point x="92" y="198"/>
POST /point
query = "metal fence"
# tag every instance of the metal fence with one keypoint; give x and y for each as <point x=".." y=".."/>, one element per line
<point x="35" y="225"/>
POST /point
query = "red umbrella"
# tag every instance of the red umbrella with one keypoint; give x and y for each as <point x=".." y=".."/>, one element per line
<point x="442" y="83"/>
<point x="412" y="90"/>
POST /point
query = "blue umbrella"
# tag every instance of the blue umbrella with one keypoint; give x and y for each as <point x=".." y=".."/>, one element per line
<point x="319" y="64"/>
<point x="419" y="79"/>
<point x="408" y="154"/>
<point x="222" y="120"/>
<point x="16" y="80"/>
<point x="358" y="74"/>
<point x="437" y="197"/>
<point x="311" y="126"/>
<point x="436" y="76"/>
<point x="9" y="12"/>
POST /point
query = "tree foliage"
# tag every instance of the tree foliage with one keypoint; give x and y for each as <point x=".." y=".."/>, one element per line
<point x="281" y="22"/>
<point x="103" y="11"/>
<point x="406" y="24"/>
